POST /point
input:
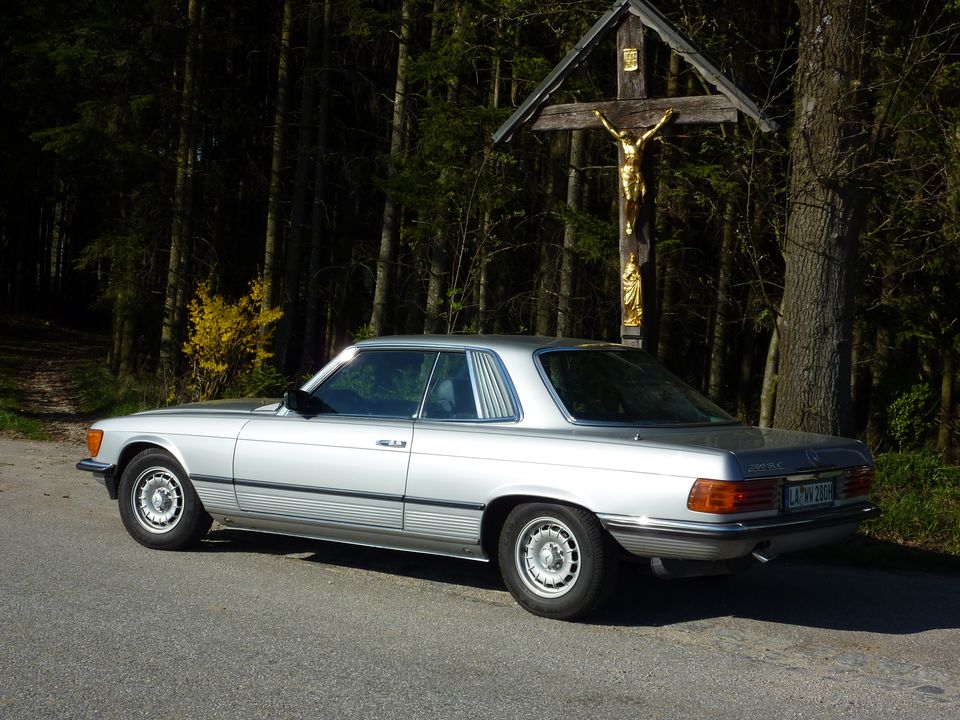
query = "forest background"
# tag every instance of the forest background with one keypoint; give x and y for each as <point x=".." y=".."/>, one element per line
<point x="324" y="169"/>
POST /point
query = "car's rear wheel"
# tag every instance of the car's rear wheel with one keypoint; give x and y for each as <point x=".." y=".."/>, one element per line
<point x="158" y="505"/>
<point x="555" y="560"/>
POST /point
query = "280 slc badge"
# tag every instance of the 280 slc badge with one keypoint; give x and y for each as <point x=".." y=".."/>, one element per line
<point x="765" y="467"/>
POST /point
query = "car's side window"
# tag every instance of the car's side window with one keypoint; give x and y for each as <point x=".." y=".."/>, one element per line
<point x="450" y="396"/>
<point x="377" y="383"/>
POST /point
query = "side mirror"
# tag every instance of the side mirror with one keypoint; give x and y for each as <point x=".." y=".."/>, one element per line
<point x="297" y="400"/>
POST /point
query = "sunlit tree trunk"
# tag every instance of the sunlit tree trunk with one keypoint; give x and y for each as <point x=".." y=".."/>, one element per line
<point x="825" y="205"/>
<point x="768" y="393"/>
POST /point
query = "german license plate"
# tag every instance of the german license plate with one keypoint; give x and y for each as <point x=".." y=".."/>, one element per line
<point x="809" y="495"/>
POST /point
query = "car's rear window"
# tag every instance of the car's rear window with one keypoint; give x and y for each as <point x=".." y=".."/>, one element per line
<point x="624" y="387"/>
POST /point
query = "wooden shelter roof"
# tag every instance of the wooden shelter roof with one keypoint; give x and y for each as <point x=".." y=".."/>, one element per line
<point x="668" y="32"/>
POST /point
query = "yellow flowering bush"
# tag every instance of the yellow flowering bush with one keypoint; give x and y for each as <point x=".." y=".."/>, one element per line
<point x="227" y="340"/>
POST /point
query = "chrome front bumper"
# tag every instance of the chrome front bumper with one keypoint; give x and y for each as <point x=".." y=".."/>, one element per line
<point x="103" y="472"/>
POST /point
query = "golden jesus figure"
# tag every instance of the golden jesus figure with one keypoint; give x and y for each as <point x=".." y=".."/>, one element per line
<point x="632" y="293"/>
<point x="632" y="186"/>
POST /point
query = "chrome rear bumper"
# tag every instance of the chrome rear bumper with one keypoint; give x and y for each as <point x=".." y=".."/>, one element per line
<point x="656" y="537"/>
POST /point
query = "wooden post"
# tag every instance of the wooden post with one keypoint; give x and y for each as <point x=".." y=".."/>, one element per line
<point x="632" y="85"/>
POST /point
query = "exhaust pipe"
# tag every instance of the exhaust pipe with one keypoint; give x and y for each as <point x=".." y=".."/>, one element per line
<point x="761" y="553"/>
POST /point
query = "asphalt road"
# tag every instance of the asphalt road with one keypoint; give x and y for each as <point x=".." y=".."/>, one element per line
<point x="94" y="626"/>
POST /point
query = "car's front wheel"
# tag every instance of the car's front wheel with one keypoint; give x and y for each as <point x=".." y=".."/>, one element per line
<point x="158" y="505"/>
<point x="555" y="560"/>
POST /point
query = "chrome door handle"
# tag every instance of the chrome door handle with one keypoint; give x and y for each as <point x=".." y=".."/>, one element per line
<point x="392" y="443"/>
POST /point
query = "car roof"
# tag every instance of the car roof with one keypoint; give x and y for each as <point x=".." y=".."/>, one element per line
<point x="497" y="343"/>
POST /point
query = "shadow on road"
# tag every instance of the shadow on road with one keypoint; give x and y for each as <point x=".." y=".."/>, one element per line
<point x="785" y="591"/>
<point x="434" y="568"/>
<point x="796" y="593"/>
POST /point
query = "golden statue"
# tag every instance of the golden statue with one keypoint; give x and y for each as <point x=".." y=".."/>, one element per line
<point x="631" y="173"/>
<point x="632" y="293"/>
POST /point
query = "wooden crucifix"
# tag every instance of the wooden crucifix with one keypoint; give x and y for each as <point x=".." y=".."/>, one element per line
<point x="636" y="115"/>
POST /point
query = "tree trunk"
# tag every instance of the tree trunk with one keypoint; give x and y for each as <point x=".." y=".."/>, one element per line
<point x="439" y="266"/>
<point x="823" y="222"/>
<point x="768" y="394"/>
<point x="388" y="235"/>
<point x="545" y="312"/>
<point x="574" y="197"/>
<point x="272" y="240"/>
<point x="883" y="352"/>
<point x="312" y="355"/>
<point x="300" y="211"/>
<point x="944" y="444"/>
<point x="745" y="382"/>
<point x="174" y="296"/>
<point x="718" y="347"/>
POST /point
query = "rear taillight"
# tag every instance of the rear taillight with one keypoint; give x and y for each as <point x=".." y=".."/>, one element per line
<point x="724" y="496"/>
<point x="857" y="482"/>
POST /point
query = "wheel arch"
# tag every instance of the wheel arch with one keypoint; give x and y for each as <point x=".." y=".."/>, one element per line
<point x="129" y="452"/>
<point x="497" y="510"/>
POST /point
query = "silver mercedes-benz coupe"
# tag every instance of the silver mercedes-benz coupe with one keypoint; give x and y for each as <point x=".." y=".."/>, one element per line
<point x="556" y="458"/>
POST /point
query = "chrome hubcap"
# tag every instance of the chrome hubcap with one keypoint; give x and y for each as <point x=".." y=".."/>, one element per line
<point x="548" y="557"/>
<point x="157" y="500"/>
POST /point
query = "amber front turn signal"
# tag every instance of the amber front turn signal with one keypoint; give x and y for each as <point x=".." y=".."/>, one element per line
<point x="94" y="438"/>
<point x="724" y="496"/>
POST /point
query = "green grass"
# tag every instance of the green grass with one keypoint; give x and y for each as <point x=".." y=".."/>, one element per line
<point x="919" y="525"/>
<point x="12" y="422"/>
<point x="104" y="395"/>
<point x="920" y="500"/>
<point x="12" y="419"/>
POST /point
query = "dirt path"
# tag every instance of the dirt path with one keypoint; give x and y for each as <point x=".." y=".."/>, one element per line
<point x="47" y="377"/>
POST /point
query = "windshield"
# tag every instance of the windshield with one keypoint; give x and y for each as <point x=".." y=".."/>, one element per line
<point x="625" y="387"/>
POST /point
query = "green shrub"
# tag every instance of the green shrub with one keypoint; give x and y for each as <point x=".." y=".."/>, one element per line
<point x="264" y="381"/>
<point x="909" y="417"/>
<point x="105" y="395"/>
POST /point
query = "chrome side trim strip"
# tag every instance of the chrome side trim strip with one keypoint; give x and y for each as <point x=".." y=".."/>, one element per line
<point x="461" y="505"/>
<point x="318" y="490"/>
<point x="213" y="479"/>
<point x="780" y="525"/>
<point x="446" y="503"/>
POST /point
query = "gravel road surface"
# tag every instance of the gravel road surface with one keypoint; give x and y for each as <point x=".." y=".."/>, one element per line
<point x="252" y="626"/>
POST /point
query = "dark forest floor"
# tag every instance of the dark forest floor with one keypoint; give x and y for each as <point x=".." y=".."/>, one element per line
<point x="45" y="361"/>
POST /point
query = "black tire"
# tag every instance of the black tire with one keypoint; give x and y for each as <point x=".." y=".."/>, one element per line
<point x="158" y="505"/>
<point x="556" y="560"/>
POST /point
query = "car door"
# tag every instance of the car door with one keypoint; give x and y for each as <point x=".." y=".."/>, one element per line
<point x="455" y="462"/>
<point x="345" y="458"/>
